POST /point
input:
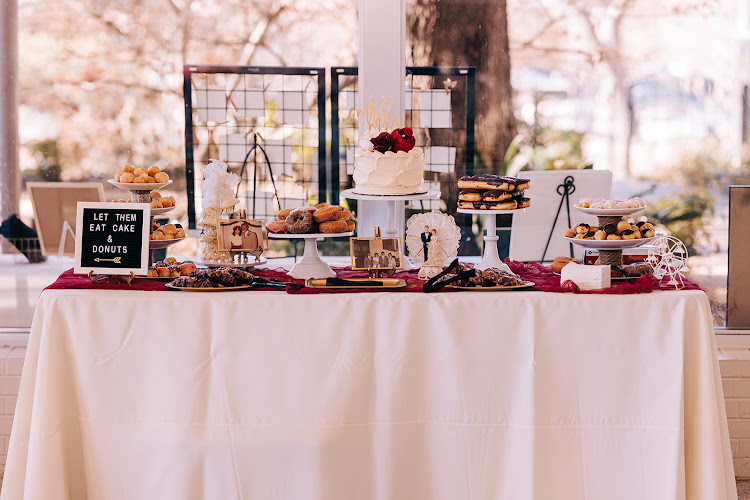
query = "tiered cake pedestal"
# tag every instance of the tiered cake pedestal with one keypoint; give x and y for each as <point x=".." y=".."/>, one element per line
<point x="392" y="210"/>
<point x="141" y="193"/>
<point x="490" y="258"/>
<point x="610" y="251"/>
<point x="311" y="266"/>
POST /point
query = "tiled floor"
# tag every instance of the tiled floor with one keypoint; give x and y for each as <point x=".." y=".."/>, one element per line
<point x="743" y="490"/>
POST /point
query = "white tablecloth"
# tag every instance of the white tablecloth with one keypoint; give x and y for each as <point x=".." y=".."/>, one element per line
<point x="263" y="395"/>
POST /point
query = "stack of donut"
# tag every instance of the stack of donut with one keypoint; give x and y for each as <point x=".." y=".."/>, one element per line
<point x="623" y="230"/>
<point x="321" y="218"/>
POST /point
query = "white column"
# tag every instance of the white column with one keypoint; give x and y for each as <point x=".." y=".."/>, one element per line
<point x="382" y="59"/>
<point x="10" y="181"/>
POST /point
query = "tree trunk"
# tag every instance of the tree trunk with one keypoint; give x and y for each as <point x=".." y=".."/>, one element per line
<point x="470" y="33"/>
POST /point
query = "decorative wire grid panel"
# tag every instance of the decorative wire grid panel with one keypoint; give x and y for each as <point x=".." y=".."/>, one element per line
<point x="439" y="104"/>
<point x="267" y="124"/>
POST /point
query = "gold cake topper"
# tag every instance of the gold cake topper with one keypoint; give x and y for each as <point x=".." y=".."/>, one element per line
<point x="377" y="117"/>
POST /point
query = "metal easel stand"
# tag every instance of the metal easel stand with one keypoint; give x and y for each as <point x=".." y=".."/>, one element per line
<point x="564" y="190"/>
<point x="255" y="172"/>
<point x="126" y="279"/>
<point x="63" y="237"/>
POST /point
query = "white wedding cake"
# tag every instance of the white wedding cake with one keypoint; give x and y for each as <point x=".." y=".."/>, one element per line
<point x="388" y="164"/>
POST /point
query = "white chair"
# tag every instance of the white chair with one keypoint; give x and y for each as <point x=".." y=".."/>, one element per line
<point x="531" y="228"/>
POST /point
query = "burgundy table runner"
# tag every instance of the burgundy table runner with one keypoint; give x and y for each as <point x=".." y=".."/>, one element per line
<point x="543" y="277"/>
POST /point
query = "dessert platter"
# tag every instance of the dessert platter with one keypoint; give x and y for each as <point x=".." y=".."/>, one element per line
<point x="310" y="223"/>
<point x="487" y="195"/>
<point x="468" y="277"/>
<point x="611" y="236"/>
<point x="225" y="279"/>
<point x="142" y="184"/>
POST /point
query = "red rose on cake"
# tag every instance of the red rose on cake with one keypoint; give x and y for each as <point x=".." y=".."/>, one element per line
<point x="403" y="139"/>
<point x="383" y="142"/>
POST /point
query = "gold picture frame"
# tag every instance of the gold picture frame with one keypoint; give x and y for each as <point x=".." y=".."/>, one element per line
<point x="362" y="248"/>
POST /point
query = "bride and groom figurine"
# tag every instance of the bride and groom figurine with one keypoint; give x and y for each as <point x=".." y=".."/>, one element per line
<point x="433" y="254"/>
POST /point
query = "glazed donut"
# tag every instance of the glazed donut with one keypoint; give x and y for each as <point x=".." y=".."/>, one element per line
<point x="561" y="262"/>
<point x="344" y="214"/>
<point x="276" y="226"/>
<point x="334" y="226"/>
<point x="153" y="170"/>
<point x="298" y="221"/>
<point x="326" y="213"/>
<point x="159" y="176"/>
<point x="284" y="213"/>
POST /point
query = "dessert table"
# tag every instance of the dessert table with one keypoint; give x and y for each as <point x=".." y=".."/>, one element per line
<point x="262" y="394"/>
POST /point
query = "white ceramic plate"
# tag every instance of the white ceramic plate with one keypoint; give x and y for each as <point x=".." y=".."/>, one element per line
<point x="217" y="289"/>
<point x="487" y="211"/>
<point x="499" y="288"/>
<point x="610" y="244"/>
<point x="155" y="244"/>
<point x="292" y="236"/>
<point x="216" y="264"/>
<point x="135" y="186"/>
<point x="159" y="211"/>
<point x="610" y="211"/>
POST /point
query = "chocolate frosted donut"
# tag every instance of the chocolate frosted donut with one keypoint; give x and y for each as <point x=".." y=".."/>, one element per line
<point x="298" y="221"/>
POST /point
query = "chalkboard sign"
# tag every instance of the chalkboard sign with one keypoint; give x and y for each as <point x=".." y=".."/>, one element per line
<point x="112" y="238"/>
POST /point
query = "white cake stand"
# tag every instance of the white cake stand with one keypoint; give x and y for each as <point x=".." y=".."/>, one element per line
<point x="311" y="266"/>
<point x="391" y="210"/>
<point x="490" y="258"/>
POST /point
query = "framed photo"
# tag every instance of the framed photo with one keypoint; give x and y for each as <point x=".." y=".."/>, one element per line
<point x="376" y="253"/>
<point x="242" y="235"/>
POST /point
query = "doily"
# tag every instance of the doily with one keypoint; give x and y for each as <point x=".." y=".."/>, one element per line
<point x="434" y="234"/>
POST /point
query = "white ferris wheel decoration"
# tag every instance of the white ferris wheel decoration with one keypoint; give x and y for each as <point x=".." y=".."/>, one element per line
<point x="668" y="257"/>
